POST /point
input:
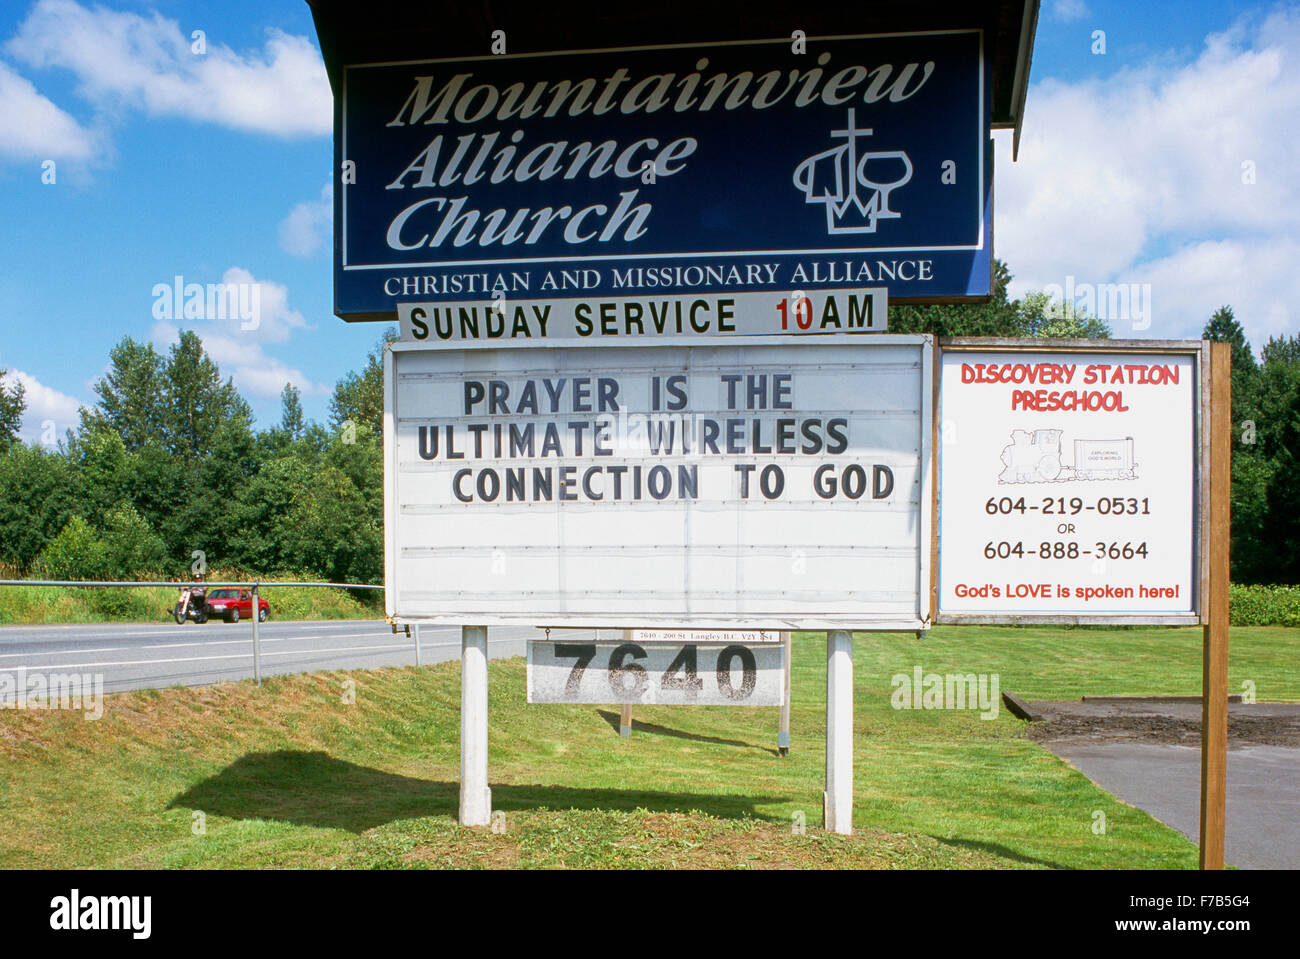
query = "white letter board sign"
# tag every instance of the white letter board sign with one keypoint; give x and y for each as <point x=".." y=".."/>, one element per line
<point x="738" y="485"/>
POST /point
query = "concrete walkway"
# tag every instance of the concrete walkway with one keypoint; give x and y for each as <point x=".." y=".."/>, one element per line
<point x="1147" y="753"/>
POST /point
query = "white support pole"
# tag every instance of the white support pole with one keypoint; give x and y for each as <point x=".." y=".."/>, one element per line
<point x="783" y="730"/>
<point x="415" y="629"/>
<point x="837" y="802"/>
<point x="475" y="796"/>
<point x="257" y="638"/>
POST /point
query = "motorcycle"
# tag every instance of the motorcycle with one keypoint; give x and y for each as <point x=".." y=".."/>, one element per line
<point x="191" y="604"/>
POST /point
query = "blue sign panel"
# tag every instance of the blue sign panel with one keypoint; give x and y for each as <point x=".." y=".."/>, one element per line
<point x="856" y="162"/>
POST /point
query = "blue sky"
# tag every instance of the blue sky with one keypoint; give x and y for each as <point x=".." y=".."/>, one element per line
<point x="1133" y="169"/>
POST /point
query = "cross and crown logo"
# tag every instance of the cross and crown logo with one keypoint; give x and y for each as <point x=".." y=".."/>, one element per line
<point x="845" y="181"/>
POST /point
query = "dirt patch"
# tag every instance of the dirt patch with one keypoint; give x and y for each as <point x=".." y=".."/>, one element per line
<point x="476" y="848"/>
<point x="1162" y="722"/>
<point x="678" y="841"/>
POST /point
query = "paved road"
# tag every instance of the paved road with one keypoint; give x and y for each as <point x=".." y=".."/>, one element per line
<point x="143" y="655"/>
<point x="1263" y="809"/>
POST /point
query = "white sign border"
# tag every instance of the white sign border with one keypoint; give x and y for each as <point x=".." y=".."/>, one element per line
<point x="767" y="648"/>
<point x="1199" y="351"/>
<point x="342" y="101"/>
<point x="926" y="534"/>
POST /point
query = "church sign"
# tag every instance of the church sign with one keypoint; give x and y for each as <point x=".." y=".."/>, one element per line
<point x="700" y="169"/>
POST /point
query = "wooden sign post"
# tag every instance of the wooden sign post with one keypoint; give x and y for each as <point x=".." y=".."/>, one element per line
<point x="1214" y="676"/>
<point x="1141" y="431"/>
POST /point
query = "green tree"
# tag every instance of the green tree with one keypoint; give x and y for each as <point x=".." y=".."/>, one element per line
<point x="39" y="492"/>
<point x="1280" y="535"/>
<point x="206" y="520"/>
<point x="197" y="402"/>
<point x="292" y="428"/>
<point x="1224" y="328"/>
<point x="329" y="530"/>
<point x="1254" y="456"/>
<point x="1040" y="316"/>
<point x="1000" y="315"/>
<point x="996" y="317"/>
<point x="259" y="518"/>
<point x="162" y="488"/>
<point x="76" y="553"/>
<point x="131" y="546"/>
<point x="361" y="462"/>
<point x="291" y="418"/>
<point x="130" y="396"/>
<point x="13" y="404"/>
<point x="359" y="397"/>
<point x="1263" y="487"/>
<point x="102" y="463"/>
<point x="1282" y="352"/>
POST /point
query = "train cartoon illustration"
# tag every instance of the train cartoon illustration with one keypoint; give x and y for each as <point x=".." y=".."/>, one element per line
<point x="1036" y="457"/>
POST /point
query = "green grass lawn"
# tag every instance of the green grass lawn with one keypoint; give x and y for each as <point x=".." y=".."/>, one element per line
<point x="291" y="775"/>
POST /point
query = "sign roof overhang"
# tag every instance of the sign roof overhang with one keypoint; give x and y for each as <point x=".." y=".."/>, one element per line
<point x="368" y="31"/>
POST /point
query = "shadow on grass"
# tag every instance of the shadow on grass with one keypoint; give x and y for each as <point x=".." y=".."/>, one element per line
<point x="638" y="726"/>
<point x="995" y="849"/>
<point x="315" y="789"/>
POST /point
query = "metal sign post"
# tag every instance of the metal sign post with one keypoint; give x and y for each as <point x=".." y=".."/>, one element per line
<point x="257" y="640"/>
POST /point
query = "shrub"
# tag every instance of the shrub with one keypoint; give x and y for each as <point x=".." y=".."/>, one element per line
<point x="132" y="546"/>
<point x="1264" y="605"/>
<point x="76" y="553"/>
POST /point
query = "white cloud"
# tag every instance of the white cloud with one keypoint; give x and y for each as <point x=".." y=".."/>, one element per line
<point x="1069" y="10"/>
<point x="238" y="303"/>
<point x="147" y="62"/>
<point x="49" y="413"/>
<point x="276" y="320"/>
<point x="33" y="127"/>
<point x="1139" y="177"/>
<point x="1257" y="278"/>
<point x="308" y="225"/>
<point x="241" y="356"/>
<point x="240" y="352"/>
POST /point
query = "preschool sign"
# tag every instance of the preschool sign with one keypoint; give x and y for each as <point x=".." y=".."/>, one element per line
<point x="695" y="169"/>
<point x="1069" y="482"/>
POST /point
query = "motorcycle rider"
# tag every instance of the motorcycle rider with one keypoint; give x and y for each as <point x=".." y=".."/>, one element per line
<point x="194" y="597"/>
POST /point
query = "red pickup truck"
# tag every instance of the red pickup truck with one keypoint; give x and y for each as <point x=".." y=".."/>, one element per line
<point x="235" y="604"/>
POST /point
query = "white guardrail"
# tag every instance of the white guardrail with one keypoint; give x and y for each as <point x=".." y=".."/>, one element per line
<point x="185" y="584"/>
